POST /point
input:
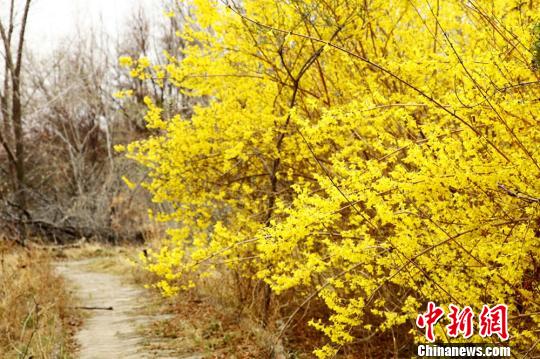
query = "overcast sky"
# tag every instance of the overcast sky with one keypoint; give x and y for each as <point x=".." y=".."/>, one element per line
<point x="51" y="21"/>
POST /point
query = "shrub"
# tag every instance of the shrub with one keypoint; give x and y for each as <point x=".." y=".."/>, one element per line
<point x="368" y="156"/>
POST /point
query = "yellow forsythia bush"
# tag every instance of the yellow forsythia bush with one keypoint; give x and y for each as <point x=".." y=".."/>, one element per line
<point x="369" y="155"/>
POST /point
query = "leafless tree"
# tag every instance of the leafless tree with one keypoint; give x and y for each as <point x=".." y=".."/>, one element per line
<point x="59" y="127"/>
<point x="11" y="108"/>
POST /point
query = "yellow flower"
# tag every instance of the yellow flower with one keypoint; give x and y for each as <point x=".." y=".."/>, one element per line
<point x="130" y="184"/>
<point x="125" y="61"/>
<point x="123" y="93"/>
<point x="379" y="192"/>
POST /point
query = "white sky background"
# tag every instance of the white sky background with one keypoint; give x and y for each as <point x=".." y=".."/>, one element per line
<point x="52" y="22"/>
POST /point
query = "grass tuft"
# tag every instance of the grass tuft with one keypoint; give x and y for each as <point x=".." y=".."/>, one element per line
<point x="37" y="318"/>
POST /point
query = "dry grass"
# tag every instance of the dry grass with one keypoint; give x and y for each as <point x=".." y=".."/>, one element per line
<point x="212" y="322"/>
<point x="199" y="326"/>
<point x="37" y="318"/>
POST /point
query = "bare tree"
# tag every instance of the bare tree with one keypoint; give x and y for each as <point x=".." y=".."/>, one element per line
<point x="59" y="176"/>
<point x="12" y="134"/>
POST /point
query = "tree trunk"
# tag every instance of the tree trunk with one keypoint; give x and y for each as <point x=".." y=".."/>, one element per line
<point x="19" y="145"/>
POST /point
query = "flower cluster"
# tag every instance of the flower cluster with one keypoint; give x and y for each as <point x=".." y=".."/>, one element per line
<point x="366" y="156"/>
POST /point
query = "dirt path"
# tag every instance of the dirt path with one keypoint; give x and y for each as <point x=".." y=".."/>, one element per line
<point x="108" y="333"/>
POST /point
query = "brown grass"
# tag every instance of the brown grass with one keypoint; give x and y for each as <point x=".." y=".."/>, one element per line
<point x="199" y="326"/>
<point x="37" y="318"/>
<point x="211" y="321"/>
